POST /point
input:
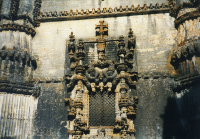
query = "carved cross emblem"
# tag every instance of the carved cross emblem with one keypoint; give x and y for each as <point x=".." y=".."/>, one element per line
<point x="102" y="30"/>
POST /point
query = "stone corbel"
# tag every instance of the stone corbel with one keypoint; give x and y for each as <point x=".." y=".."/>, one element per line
<point x="93" y="85"/>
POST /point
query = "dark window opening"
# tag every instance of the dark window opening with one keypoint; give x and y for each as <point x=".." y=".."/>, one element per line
<point x="102" y="109"/>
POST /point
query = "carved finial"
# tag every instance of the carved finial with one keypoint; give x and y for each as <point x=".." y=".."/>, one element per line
<point x="71" y="37"/>
<point x="130" y="34"/>
<point x="121" y="9"/>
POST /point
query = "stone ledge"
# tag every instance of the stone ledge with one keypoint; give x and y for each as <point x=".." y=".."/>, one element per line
<point x="186" y="81"/>
<point x="154" y="75"/>
<point x="25" y="88"/>
<point x="48" y="80"/>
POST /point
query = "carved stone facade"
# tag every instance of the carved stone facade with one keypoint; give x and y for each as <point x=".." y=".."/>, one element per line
<point x="99" y="69"/>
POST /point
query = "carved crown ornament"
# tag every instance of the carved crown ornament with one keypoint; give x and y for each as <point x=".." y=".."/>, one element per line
<point x="101" y="76"/>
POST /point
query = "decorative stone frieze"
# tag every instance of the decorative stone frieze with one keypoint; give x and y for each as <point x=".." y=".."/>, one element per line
<point x="17" y="55"/>
<point x="16" y="27"/>
<point x="105" y="12"/>
<point x="99" y="78"/>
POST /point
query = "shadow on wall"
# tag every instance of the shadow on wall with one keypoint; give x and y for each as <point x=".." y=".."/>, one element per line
<point x="181" y="119"/>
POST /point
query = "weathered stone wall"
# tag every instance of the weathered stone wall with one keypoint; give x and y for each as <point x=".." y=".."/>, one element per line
<point x="155" y="37"/>
<point x="160" y="114"/>
<point x="153" y="97"/>
<point x="51" y="115"/>
<point x="17" y="39"/>
<point x="60" y="5"/>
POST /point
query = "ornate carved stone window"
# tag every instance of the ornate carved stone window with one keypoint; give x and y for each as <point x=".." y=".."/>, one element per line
<point x="99" y="88"/>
